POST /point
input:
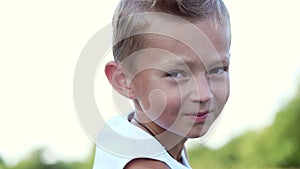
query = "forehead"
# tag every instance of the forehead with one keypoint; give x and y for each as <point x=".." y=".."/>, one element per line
<point x="205" y="46"/>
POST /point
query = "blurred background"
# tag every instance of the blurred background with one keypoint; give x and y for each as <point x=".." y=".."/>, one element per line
<point x="42" y="40"/>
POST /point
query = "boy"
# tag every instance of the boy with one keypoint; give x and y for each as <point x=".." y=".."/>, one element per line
<point x="172" y="61"/>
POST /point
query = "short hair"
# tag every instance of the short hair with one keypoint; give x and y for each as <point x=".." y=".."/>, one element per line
<point x="214" y="11"/>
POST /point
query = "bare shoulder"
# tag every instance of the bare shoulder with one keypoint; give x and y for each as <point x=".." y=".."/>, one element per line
<point x="145" y="163"/>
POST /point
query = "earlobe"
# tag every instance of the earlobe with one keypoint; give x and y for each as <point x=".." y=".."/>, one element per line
<point x="117" y="77"/>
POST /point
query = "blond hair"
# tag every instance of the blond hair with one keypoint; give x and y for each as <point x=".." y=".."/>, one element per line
<point x="126" y="40"/>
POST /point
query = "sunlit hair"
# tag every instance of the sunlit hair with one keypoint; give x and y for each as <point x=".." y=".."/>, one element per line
<point x="213" y="11"/>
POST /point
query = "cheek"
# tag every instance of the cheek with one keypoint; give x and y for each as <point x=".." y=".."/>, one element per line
<point x="171" y="109"/>
<point x="221" y="91"/>
<point x="173" y="103"/>
<point x="155" y="103"/>
<point x="162" y="105"/>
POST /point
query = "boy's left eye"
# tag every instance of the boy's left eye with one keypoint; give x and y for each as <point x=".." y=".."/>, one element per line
<point x="218" y="70"/>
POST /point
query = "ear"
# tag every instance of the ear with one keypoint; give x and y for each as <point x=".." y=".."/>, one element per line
<point x="117" y="77"/>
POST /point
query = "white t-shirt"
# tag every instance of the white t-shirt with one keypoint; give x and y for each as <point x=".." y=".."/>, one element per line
<point x="119" y="142"/>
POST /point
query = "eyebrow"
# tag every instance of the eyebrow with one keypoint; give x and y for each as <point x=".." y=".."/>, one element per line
<point x="183" y="61"/>
<point x="225" y="60"/>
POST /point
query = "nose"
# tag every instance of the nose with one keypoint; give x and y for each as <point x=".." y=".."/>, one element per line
<point x="202" y="91"/>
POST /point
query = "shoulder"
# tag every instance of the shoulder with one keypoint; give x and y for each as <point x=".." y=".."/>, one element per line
<point x="145" y="163"/>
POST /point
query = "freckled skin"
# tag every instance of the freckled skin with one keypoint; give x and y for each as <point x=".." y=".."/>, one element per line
<point x="197" y="84"/>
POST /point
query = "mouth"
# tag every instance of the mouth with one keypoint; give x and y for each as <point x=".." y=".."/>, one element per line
<point x="199" y="117"/>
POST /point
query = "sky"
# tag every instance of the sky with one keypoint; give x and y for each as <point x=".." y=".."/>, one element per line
<point x="41" y="42"/>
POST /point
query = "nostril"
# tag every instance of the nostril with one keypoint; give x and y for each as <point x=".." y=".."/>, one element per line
<point x="201" y="96"/>
<point x="206" y="97"/>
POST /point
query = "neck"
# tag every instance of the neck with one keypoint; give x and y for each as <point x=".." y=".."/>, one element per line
<point x="172" y="142"/>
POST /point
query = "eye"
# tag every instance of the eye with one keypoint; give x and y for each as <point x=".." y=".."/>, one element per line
<point x="175" y="74"/>
<point x="218" y="70"/>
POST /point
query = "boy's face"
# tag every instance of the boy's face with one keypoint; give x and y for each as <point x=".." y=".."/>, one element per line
<point x="181" y="90"/>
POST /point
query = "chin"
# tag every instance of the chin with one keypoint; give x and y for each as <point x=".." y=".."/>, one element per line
<point x="196" y="133"/>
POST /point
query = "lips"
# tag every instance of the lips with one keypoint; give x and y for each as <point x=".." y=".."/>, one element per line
<point x="199" y="117"/>
<point x="202" y="113"/>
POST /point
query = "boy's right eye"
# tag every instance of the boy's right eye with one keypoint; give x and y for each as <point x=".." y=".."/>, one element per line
<point x="175" y="74"/>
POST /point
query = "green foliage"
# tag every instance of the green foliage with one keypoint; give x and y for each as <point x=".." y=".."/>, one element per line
<point x="277" y="146"/>
<point x="2" y="164"/>
<point x="35" y="161"/>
